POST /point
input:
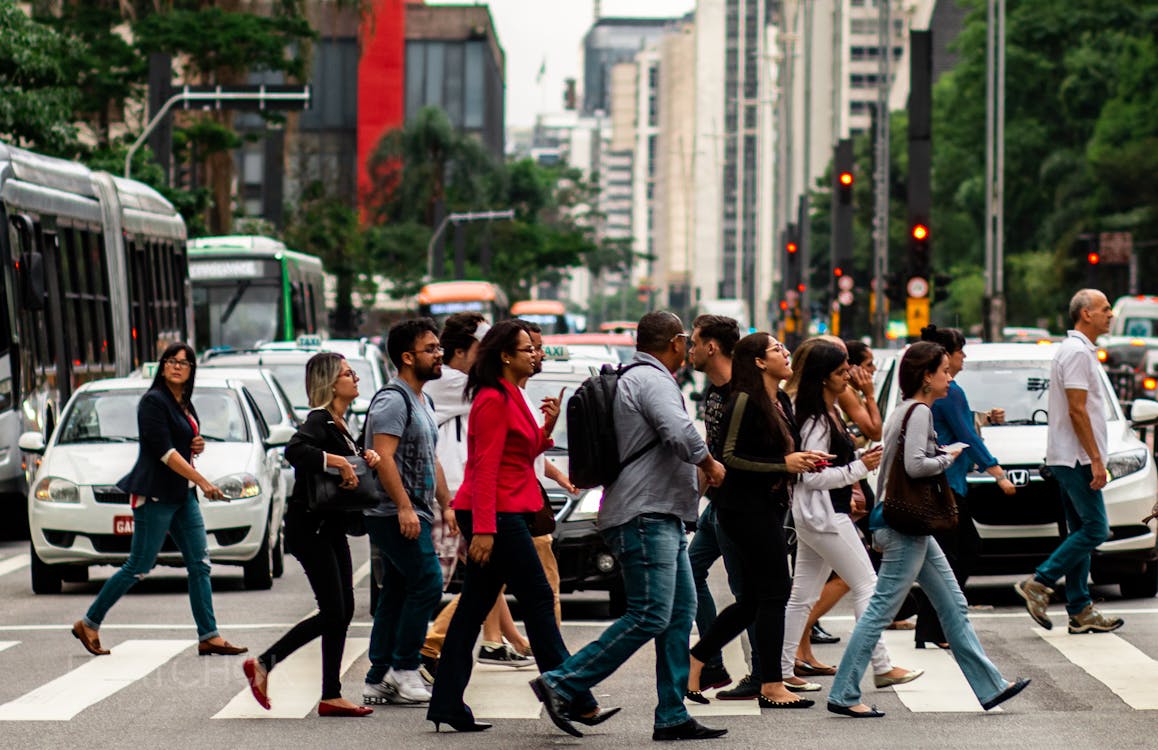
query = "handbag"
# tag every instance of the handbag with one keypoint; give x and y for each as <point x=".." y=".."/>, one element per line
<point x="543" y="520"/>
<point x="917" y="506"/>
<point x="325" y="493"/>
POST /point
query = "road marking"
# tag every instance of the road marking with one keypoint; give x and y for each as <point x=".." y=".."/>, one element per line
<point x="294" y="687"/>
<point x="100" y="677"/>
<point x="737" y="666"/>
<point x="943" y="688"/>
<point x="498" y="692"/>
<point x="361" y="573"/>
<point x="4" y="645"/>
<point x="1119" y="665"/>
<point x="14" y="563"/>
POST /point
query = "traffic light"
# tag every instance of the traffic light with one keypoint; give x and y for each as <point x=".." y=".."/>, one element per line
<point x="919" y="252"/>
<point x="844" y="183"/>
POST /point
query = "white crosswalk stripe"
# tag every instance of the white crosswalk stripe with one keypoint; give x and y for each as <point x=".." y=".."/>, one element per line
<point x="14" y="563"/>
<point x="8" y="644"/>
<point x="942" y="688"/>
<point x="1117" y="664"/>
<point x="498" y="692"/>
<point x="737" y="667"/>
<point x="100" y="677"/>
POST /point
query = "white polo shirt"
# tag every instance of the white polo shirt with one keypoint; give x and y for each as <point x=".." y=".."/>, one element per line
<point x="1075" y="367"/>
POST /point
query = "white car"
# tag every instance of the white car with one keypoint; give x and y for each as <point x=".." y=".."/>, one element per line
<point x="78" y="517"/>
<point x="1019" y="532"/>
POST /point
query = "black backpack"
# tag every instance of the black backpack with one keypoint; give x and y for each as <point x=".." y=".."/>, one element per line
<point x="592" y="446"/>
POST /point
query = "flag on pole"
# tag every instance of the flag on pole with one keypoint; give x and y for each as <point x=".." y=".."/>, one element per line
<point x="542" y="71"/>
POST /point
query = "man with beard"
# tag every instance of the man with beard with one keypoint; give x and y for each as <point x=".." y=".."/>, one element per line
<point x="402" y="425"/>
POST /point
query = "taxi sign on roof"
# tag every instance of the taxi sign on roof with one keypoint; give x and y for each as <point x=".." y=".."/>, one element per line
<point x="149" y="370"/>
<point x="556" y="351"/>
<point x="309" y="341"/>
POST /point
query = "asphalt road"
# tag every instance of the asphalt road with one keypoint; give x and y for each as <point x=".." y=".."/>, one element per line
<point x="1087" y="691"/>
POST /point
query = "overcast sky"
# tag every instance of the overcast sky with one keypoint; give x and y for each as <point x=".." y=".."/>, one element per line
<point x="534" y="31"/>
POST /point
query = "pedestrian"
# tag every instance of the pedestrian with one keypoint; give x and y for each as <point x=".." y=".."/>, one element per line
<point x="642" y="519"/>
<point x="317" y="538"/>
<point x="710" y="352"/>
<point x="924" y="378"/>
<point x="760" y="453"/>
<point x="401" y="426"/>
<point x="164" y="503"/>
<point x="953" y="420"/>
<point x="499" y="494"/>
<point x="826" y="538"/>
<point x="1076" y="457"/>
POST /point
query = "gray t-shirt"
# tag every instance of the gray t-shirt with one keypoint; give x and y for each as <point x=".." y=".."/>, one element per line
<point x="417" y="444"/>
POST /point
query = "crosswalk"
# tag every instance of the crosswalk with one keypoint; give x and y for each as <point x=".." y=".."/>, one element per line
<point x="1119" y="666"/>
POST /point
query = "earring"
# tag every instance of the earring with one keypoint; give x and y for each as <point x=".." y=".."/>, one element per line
<point x="926" y="389"/>
<point x="506" y="362"/>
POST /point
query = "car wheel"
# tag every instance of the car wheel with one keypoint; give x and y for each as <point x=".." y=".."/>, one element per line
<point x="74" y="573"/>
<point x="279" y="553"/>
<point x="45" y="578"/>
<point x="1144" y="585"/>
<point x="617" y="600"/>
<point x="258" y="572"/>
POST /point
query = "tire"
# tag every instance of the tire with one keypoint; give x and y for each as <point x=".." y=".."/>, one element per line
<point x="258" y="572"/>
<point x="279" y="553"/>
<point x="74" y="573"/>
<point x="617" y="601"/>
<point x="45" y="578"/>
<point x="1144" y="585"/>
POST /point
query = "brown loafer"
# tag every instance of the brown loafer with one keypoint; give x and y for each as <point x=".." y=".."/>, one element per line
<point x="205" y="648"/>
<point x="92" y="645"/>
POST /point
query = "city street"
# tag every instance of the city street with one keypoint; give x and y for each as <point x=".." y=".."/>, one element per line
<point x="154" y="689"/>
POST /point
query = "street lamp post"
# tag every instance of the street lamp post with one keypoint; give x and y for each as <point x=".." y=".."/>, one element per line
<point x="995" y="172"/>
<point x="462" y="218"/>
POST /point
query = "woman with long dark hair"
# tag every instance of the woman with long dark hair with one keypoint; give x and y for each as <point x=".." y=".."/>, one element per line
<point x="318" y="538"/>
<point x="164" y="502"/>
<point x="826" y="538"/>
<point x="759" y="451"/>
<point x="494" y="506"/>
<point x="924" y="378"/>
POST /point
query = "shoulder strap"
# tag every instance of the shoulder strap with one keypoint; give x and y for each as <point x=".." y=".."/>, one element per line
<point x="391" y="387"/>
<point x="905" y="421"/>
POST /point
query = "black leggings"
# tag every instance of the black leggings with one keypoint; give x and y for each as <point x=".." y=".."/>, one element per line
<point x="961" y="546"/>
<point x="321" y="548"/>
<point x="758" y="536"/>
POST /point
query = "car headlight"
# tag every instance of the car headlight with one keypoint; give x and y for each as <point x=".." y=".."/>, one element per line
<point x="1126" y="463"/>
<point x="56" y="490"/>
<point x="587" y="509"/>
<point x="239" y="486"/>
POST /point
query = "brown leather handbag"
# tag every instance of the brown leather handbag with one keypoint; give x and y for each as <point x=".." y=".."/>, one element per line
<point x="917" y="506"/>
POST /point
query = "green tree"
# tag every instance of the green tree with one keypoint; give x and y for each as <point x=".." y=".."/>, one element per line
<point x="37" y="94"/>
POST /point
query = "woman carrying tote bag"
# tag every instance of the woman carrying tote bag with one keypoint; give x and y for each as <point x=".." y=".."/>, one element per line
<point x="924" y="378"/>
<point x="317" y="538"/>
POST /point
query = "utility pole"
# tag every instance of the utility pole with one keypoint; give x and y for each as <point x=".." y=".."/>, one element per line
<point x="881" y="174"/>
<point x="457" y="219"/>
<point x="995" y="172"/>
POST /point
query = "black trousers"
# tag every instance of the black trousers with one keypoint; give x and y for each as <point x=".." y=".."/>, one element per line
<point x="961" y="546"/>
<point x="320" y="546"/>
<point x="515" y="564"/>
<point x="758" y="536"/>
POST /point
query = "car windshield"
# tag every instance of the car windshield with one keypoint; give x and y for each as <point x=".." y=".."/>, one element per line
<point x="539" y="388"/>
<point x="1021" y="387"/>
<point x="292" y="378"/>
<point x="1141" y="327"/>
<point x="238" y="316"/>
<point x="111" y="417"/>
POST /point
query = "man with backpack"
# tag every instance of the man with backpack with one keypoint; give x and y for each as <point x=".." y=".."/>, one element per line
<point x="401" y="427"/>
<point x="642" y="519"/>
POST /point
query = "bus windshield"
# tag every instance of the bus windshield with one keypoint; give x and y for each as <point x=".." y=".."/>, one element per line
<point x="239" y="315"/>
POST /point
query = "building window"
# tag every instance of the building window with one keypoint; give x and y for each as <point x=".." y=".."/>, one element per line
<point x="474" y="114"/>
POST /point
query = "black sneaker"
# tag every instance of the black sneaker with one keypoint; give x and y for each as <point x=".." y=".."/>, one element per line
<point x="745" y="690"/>
<point x="503" y="656"/>
<point x="820" y="635"/>
<point x="714" y="676"/>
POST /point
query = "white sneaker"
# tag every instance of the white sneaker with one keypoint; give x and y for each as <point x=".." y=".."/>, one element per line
<point x="409" y="685"/>
<point x="379" y="694"/>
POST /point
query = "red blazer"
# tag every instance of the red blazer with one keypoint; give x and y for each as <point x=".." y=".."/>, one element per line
<point x="502" y="441"/>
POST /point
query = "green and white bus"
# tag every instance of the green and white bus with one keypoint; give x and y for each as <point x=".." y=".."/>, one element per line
<point x="249" y="291"/>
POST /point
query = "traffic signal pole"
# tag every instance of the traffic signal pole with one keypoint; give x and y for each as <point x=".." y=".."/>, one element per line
<point x="881" y="177"/>
<point x="995" y="172"/>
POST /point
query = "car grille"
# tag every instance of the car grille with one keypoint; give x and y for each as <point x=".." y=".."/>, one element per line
<point x="117" y="544"/>
<point x="1038" y="502"/>
<point x="110" y="494"/>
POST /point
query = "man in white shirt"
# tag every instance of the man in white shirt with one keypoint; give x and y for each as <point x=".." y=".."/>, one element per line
<point x="1076" y="456"/>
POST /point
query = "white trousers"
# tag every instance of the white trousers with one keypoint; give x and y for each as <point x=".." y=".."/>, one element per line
<point x="817" y="555"/>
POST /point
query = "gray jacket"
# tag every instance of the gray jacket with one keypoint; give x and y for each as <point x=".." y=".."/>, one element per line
<point x="649" y="404"/>
<point x="922" y="456"/>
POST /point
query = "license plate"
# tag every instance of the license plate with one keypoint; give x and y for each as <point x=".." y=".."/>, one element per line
<point x="123" y="525"/>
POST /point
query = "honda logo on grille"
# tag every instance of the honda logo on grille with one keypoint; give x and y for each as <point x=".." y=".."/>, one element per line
<point x="1018" y="477"/>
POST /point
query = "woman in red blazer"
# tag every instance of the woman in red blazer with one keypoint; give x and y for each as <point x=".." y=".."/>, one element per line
<point x="497" y="499"/>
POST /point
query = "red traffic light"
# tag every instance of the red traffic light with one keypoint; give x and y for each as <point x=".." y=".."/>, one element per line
<point x="838" y="272"/>
<point x="1093" y="259"/>
<point x="783" y="305"/>
<point x="920" y="232"/>
<point x="800" y="288"/>
<point x="790" y="247"/>
<point x="845" y="179"/>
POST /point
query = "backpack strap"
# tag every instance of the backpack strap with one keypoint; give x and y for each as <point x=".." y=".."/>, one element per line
<point x="638" y="454"/>
<point x="405" y="399"/>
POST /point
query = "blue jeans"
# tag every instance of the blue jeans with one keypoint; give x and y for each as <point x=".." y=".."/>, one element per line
<point x="661" y="605"/>
<point x="709" y="544"/>
<point x="1086" y="519"/>
<point x="411" y="587"/>
<point x="906" y="559"/>
<point x="151" y="522"/>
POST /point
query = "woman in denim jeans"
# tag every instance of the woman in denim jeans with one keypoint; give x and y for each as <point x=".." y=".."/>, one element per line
<point x="924" y="378"/>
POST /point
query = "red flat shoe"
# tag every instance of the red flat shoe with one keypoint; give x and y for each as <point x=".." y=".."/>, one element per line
<point x="92" y="645"/>
<point x="329" y="709"/>
<point x="250" y="669"/>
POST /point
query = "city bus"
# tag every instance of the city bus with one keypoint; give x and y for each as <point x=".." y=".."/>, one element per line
<point x="249" y="291"/>
<point x="549" y="314"/>
<point x="94" y="275"/>
<point x="444" y="298"/>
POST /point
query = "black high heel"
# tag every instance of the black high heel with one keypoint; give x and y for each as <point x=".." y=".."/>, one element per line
<point x="460" y="724"/>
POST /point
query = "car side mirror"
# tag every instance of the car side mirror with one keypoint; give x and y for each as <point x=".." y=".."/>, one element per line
<point x="1144" y="412"/>
<point x="33" y="442"/>
<point x="280" y="434"/>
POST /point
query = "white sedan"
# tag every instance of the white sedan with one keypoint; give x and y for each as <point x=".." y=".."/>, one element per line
<point x="78" y="517"/>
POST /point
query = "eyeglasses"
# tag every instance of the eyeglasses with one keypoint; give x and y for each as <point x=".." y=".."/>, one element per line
<point x="430" y="350"/>
<point x="526" y="350"/>
<point x="180" y="364"/>
<point x="776" y="346"/>
<point x="349" y="374"/>
<point x="678" y="335"/>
